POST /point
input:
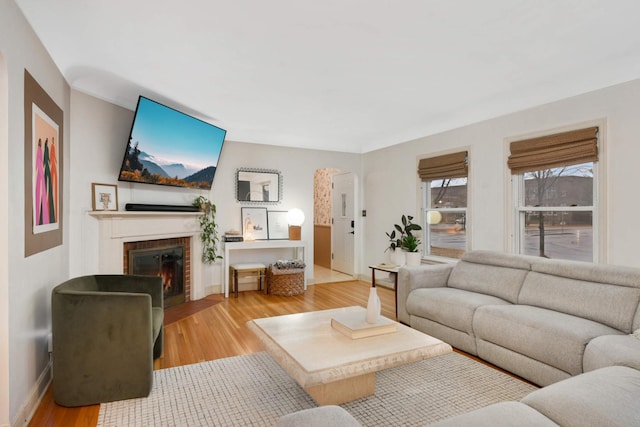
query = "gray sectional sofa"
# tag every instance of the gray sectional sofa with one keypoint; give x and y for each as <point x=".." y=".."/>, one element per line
<point x="544" y="320"/>
<point x="571" y="327"/>
<point x="604" y="397"/>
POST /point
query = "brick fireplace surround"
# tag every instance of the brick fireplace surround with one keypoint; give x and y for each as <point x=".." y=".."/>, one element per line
<point x="117" y="228"/>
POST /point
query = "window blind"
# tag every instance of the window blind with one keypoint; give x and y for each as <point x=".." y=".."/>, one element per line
<point x="452" y="165"/>
<point x="560" y="149"/>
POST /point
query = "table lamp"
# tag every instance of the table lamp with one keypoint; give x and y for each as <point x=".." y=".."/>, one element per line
<point x="295" y="218"/>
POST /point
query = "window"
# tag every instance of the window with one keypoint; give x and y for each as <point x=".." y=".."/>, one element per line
<point x="556" y="197"/>
<point x="445" y="217"/>
<point x="444" y="195"/>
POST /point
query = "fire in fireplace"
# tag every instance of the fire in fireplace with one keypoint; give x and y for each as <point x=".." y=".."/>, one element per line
<point x="167" y="262"/>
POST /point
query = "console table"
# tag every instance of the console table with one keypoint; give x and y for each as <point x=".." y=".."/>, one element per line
<point x="298" y="246"/>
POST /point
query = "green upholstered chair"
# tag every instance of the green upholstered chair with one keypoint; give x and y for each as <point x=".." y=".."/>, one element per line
<point x="107" y="329"/>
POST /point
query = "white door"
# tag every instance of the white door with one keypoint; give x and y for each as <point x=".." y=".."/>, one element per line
<point x="343" y="225"/>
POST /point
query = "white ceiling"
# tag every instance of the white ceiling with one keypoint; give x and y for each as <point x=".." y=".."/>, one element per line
<point x="346" y="75"/>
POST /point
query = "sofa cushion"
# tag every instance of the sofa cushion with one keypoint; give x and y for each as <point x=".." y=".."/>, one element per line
<point x="554" y="338"/>
<point x="499" y="259"/>
<point x="448" y="306"/>
<point x="489" y="279"/>
<point x="504" y="414"/>
<point x="610" y="350"/>
<point x="604" y="397"/>
<point x="588" y="272"/>
<point x="612" y="305"/>
<point x="605" y="293"/>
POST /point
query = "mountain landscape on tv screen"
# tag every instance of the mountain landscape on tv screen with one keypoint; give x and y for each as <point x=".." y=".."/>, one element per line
<point x="139" y="166"/>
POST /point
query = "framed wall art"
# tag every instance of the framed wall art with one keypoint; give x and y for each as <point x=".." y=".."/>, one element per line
<point x="278" y="226"/>
<point x="43" y="167"/>
<point x="104" y="197"/>
<point x="254" y="224"/>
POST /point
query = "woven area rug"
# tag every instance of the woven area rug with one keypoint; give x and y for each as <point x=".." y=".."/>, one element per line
<point x="253" y="390"/>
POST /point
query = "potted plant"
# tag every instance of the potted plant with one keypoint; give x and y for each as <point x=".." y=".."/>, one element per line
<point x="209" y="230"/>
<point x="410" y="244"/>
<point x="401" y="240"/>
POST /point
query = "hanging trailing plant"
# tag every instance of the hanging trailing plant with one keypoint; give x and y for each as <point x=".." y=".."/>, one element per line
<point x="208" y="230"/>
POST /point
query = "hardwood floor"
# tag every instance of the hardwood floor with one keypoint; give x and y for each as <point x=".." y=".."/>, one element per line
<point x="215" y="327"/>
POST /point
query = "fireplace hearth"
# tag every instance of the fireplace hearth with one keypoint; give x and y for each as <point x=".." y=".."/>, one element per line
<point x="166" y="258"/>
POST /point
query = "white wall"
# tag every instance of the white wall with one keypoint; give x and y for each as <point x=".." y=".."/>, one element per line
<point x="100" y="131"/>
<point x="29" y="280"/>
<point x="4" y="245"/>
<point x="391" y="186"/>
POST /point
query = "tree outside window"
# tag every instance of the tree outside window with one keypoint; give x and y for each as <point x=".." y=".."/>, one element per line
<point x="556" y="212"/>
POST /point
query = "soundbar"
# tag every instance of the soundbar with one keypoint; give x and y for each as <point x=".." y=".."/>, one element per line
<point x="142" y="207"/>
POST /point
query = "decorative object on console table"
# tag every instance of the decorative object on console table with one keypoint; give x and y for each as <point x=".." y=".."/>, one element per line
<point x="277" y="225"/>
<point x="295" y="217"/>
<point x="254" y="224"/>
<point x="104" y="197"/>
<point x="355" y="327"/>
<point x="233" y="236"/>
<point x="209" y="231"/>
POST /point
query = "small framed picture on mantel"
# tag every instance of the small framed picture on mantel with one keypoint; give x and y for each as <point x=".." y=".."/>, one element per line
<point x="104" y="197"/>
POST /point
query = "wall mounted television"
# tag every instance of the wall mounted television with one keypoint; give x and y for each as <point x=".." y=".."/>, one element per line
<point x="168" y="147"/>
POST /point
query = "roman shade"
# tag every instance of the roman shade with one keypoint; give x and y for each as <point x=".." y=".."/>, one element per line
<point x="560" y="149"/>
<point x="452" y="165"/>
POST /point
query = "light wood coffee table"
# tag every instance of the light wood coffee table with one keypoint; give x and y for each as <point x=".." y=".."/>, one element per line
<point x="332" y="367"/>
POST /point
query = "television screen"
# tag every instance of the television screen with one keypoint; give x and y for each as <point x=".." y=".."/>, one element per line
<point x="167" y="147"/>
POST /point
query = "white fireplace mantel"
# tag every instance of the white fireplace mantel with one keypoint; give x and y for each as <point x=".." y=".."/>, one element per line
<point x="119" y="227"/>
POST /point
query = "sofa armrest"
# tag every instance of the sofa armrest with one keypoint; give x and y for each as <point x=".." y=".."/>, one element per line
<point x="604" y="397"/>
<point x="151" y="285"/>
<point x="422" y="276"/>
<point x="611" y="350"/>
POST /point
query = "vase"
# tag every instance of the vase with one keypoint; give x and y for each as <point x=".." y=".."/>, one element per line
<point x="398" y="257"/>
<point x="413" y="258"/>
<point x="373" y="306"/>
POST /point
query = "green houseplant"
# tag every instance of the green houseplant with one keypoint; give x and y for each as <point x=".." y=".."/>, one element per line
<point x="410" y="243"/>
<point x="208" y="230"/>
<point x="402" y="237"/>
<point x="404" y="232"/>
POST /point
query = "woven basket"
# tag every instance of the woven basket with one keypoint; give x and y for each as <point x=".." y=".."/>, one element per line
<point x="286" y="282"/>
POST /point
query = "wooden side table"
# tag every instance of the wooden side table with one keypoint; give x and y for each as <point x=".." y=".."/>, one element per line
<point x="389" y="268"/>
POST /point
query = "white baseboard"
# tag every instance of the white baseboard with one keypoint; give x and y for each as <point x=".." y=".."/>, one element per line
<point x="364" y="277"/>
<point x="213" y="289"/>
<point x="28" y="408"/>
